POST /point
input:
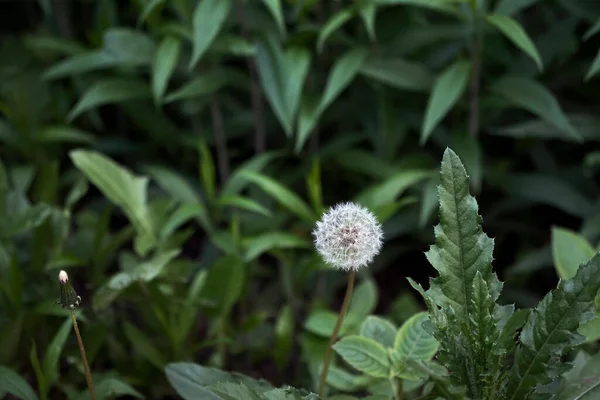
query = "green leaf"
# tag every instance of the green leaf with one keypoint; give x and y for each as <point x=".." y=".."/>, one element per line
<point x="343" y="72"/>
<point x="413" y="341"/>
<point x="64" y="134"/>
<point x="284" y="336"/>
<point x="224" y="283"/>
<point x="244" y="203"/>
<point x="265" y="242"/>
<point x="384" y="193"/>
<point x="234" y="391"/>
<point x="535" y="98"/>
<point x="276" y="11"/>
<point x="149" y="6"/>
<point x="333" y="24"/>
<point x="107" y="91"/>
<point x="364" y="300"/>
<point x="143" y="346"/>
<point x="511" y="7"/>
<point x="13" y="384"/>
<point x="595" y="68"/>
<point x="182" y="215"/>
<point x="80" y="64"/>
<point x="380" y="330"/>
<point x="583" y="381"/>
<point x="437" y="5"/>
<point x="164" y="64"/>
<point x="447" y="90"/>
<point x="113" y="387"/>
<point x="515" y="33"/>
<point x="569" y="251"/>
<point x="283" y="195"/>
<point x="399" y="73"/>
<point x="131" y="47"/>
<point x="322" y="323"/>
<point x="54" y="351"/>
<point x="200" y="86"/>
<point x="208" y="19"/>
<point x="207" y="170"/>
<point x="365" y="355"/>
<point x="549" y="330"/>
<point x="43" y="386"/>
<point x="368" y="12"/>
<point x="119" y="186"/>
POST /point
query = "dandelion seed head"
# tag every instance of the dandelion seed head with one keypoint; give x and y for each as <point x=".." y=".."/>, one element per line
<point x="348" y="236"/>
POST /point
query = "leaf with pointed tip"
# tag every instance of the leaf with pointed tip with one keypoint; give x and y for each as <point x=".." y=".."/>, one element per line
<point x="595" y="68"/>
<point x="413" y="341"/>
<point x="569" y="251"/>
<point x="516" y="34"/>
<point x="165" y="61"/>
<point x="276" y="11"/>
<point x="380" y="330"/>
<point x="551" y="328"/>
<point x="365" y="355"/>
<point x="208" y="19"/>
<point x="334" y="23"/>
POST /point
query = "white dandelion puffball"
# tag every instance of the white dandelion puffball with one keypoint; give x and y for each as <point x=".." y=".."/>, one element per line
<point x="348" y="236"/>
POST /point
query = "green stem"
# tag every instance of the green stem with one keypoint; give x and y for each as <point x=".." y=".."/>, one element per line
<point x="221" y="341"/>
<point x="336" y="330"/>
<point x="88" y="374"/>
<point x="397" y="389"/>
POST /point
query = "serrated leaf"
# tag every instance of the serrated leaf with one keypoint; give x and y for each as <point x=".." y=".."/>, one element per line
<point x="583" y="381"/>
<point x="380" y="330"/>
<point x="107" y="91"/>
<point x="550" y="330"/>
<point x="447" y="89"/>
<point x="164" y="64"/>
<point x="516" y="34"/>
<point x="413" y="341"/>
<point x="569" y="251"/>
<point x="535" y="98"/>
<point x="234" y="391"/>
<point x="365" y="355"/>
<point x="208" y="19"/>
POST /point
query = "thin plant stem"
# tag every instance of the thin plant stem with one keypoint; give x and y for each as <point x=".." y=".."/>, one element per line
<point x="220" y="139"/>
<point x="336" y="330"/>
<point x="88" y="374"/>
<point x="397" y="388"/>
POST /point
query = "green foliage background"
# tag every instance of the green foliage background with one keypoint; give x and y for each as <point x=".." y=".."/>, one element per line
<point x="174" y="155"/>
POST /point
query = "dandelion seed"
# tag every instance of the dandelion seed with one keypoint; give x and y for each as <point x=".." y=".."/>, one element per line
<point x="348" y="236"/>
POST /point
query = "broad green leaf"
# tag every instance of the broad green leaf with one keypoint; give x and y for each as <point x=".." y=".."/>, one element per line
<point x="81" y="63"/>
<point x="164" y="64"/>
<point x="591" y="328"/>
<point x="549" y="330"/>
<point x="333" y="24"/>
<point x="413" y="341"/>
<point x="569" y="251"/>
<point x="535" y="98"/>
<point x="399" y="73"/>
<point x="297" y="62"/>
<point x="380" y="330"/>
<point x="113" y="388"/>
<point x="174" y="184"/>
<point x="283" y="195"/>
<point x="19" y="221"/>
<point x="54" y="351"/>
<point x="131" y="47"/>
<point x="224" y="283"/>
<point x="365" y="355"/>
<point x="208" y="19"/>
<point x="119" y="186"/>
<point x="595" y="68"/>
<point x="143" y="345"/>
<point x="107" y="91"/>
<point x="322" y="323"/>
<point x="582" y="382"/>
<point x="237" y="182"/>
<point x="447" y="90"/>
<point x="343" y="72"/>
<point x="234" y="391"/>
<point x="515" y="33"/>
<point x="342" y="380"/>
<point x="265" y="242"/>
<point x="183" y="214"/>
<point x="13" y="384"/>
<point x="276" y="10"/>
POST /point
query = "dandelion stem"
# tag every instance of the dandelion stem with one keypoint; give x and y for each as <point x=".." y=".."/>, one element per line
<point x="336" y="330"/>
<point x="88" y="374"/>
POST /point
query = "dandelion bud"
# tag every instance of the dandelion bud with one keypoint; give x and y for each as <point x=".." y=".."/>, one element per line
<point x="348" y="236"/>
<point x="68" y="296"/>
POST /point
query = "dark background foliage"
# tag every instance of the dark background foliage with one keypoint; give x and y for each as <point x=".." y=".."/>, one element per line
<point x="83" y="75"/>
